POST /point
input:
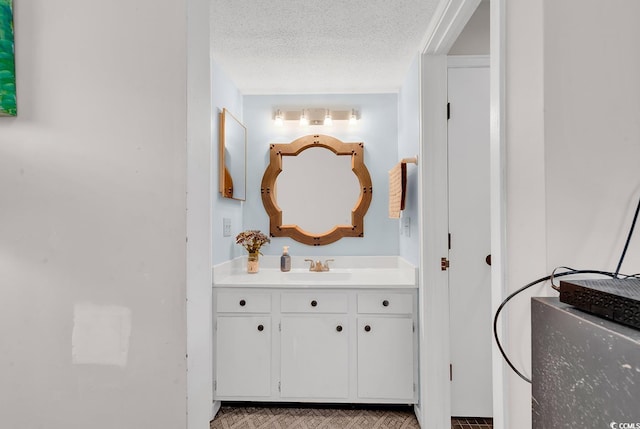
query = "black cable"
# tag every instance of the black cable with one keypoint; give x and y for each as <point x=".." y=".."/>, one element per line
<point x="525" y="287"/>
<point x="626" y="244"/>
<point x="551" y="277"/>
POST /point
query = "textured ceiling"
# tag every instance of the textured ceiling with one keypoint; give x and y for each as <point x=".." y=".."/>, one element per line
<point x="302" y="47"/>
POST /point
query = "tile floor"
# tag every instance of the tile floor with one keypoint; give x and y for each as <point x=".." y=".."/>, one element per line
<point x="313" y="418"/>
<point x="471" y="423"/>
<point x="310" y="416"/>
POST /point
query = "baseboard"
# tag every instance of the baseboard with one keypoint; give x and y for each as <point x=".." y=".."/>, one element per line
<point x="215" y="408"/>
<point x="416" y="410"/>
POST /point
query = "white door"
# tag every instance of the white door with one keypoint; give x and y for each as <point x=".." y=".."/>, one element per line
<point x="469" y="226"/>
<point x="385" y="358"/>
<point x="314" y="357"/>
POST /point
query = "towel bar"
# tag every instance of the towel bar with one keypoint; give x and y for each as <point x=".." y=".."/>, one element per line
<point x="413" y="160"/>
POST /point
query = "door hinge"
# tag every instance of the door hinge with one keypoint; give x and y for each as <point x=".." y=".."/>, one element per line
<point x="279" y="387"/>
<point x="215" y="385"/>
<point x="279" y="327"/>
<point x="413" y="327"/>
<point x="449" y="240"/>
<point x="450" y="372"/>
<point x="444" y="264"/>
<point x="414" y="387"/>
<point x="448" y="111"/>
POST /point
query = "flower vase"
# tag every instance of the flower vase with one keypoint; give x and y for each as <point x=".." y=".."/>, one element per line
<point x="253" y="263"/>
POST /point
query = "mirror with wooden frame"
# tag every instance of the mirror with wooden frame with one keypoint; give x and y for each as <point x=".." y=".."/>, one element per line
<point x="233" y="157"/>
<point x="328" y="179"/>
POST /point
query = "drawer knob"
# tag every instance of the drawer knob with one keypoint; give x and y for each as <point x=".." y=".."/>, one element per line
<point x="339" y="328"/>
<point x="385" y="303"/>
<point x="260" y="328"/>
<point x="367" y="328"/>
<point x="314" y="303"/>
<point x="243" y="303"/>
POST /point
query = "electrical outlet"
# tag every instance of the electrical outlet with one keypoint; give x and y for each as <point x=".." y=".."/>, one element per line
<point x="226" y="227"/>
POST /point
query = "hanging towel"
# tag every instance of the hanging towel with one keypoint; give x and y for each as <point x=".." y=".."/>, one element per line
<point x="397" y="189"/>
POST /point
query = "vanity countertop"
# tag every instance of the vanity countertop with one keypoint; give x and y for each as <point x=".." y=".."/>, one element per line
<point x="371" y="272"/>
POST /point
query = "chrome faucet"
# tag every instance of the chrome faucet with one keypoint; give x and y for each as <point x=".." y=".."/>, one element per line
<point x="318" y="266"/>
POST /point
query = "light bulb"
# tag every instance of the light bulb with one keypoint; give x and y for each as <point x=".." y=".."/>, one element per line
<point x="353" y="119"/>
<point x="304" y="120"/>
<point x="279" y="121"/>
<point x="327" y="119"/>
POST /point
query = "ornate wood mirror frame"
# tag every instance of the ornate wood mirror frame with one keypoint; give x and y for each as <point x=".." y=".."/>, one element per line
<point x="268" y="187"/>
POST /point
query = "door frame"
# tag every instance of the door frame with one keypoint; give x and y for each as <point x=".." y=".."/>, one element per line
<point x="451" y="16"/>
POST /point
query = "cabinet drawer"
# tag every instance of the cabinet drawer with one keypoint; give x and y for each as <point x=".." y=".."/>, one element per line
<point x="314" y="303"/>
<point x="385" y="303"/>
<point x="243" y="302"/>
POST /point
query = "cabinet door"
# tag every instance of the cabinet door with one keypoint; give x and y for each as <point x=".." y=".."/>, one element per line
<point x="315" y="357"/>
<point x="385" y="358"/>
<point x="243" y="356"/>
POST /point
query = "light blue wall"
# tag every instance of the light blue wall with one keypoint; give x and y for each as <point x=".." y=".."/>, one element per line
<point x="377" y="128"/>
<point x="224" y="95"/>
<point x="409" y="146"/>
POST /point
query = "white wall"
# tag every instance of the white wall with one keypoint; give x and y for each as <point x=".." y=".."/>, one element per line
<point x="474" y="39"/>
<point x="592" y="133"/>
<point x="92" y="218"/>
<point x="377" y="128"/>
<point x="199" y="189"/>
<point x="409" y="146"/>
<point x="573" y="142"/>
<point x="224" y="95"/>
<point x="525" y="176"/>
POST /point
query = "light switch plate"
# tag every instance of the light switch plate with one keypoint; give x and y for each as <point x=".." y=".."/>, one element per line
<point x="406" y="226"/>
<point x="226" y="227"/>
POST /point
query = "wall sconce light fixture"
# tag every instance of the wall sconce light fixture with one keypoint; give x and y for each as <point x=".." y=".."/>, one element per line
<point x="315" y="116"/>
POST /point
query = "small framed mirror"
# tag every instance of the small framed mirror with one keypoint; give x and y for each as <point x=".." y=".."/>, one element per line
<point x="316" y="190"/>
<point x="233" y="157"/>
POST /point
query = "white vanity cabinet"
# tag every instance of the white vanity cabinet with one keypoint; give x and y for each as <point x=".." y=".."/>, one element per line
<point x="386" y="346"/>
<point x="243" y="344"/>
<point x="314" y="345"/>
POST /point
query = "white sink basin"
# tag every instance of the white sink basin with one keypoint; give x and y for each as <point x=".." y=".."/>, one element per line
<point x="312" y="276"/>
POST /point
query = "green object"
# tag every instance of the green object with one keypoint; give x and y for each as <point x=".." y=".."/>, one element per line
<point x="8" y="105"/>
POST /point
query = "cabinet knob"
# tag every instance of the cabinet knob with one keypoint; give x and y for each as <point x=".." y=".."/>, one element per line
<point x="367" y="328"/>
<point x="339" y="328"/>
<point x="314" y="303"/>
<point x="385" y="303"/>
<point x="243" y="303"/>
<point x="260" y="328"/>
